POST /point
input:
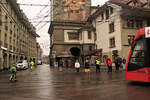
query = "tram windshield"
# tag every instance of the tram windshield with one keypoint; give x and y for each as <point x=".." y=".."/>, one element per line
<point x="137" y="57"/>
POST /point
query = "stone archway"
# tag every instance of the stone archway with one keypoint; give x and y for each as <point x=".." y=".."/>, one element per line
<point x="75" y="51"/>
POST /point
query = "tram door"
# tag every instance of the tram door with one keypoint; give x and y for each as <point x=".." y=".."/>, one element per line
<point x="137" y="56"/>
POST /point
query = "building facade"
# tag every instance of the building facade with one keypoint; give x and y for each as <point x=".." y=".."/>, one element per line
<point x="17" y="35"/>
<point x="68" y="38"/>
<point x="116" y="26"/>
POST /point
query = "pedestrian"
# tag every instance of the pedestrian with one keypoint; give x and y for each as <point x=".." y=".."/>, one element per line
<point x="77" y="65"/>
<point x="32" y="65"/>
<point x="120" y="62"/>
<point x="13" y="72"/>
<point x="56" y="64"/>
<point x="98" y="63"/>
<point x="87" y="66"/>
<point x="69" y="64"/>
<point x="60" y="65"/>
<point x="117" y="63"/>
<point x="109" y="64"/>
<point x="66" y="63"/>
<point x="124" y="63"/>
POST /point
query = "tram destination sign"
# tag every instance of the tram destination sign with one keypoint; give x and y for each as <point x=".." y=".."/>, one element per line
<point x="147" y="32"/>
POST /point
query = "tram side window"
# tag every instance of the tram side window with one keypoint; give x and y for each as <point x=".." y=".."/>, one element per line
<point x="137" y="56"/>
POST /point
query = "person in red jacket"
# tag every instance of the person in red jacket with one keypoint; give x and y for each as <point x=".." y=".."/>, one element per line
<point x="109" y="64"/>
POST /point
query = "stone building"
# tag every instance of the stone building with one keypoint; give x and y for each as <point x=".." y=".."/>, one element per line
<point x="116" y="26"/>
<point x="69" y="32"/>
<point x="39" y="52"/>
<point x="17" y="35"/>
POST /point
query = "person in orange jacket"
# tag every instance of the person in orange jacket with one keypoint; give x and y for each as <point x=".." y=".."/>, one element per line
<point x="109" y="64"/>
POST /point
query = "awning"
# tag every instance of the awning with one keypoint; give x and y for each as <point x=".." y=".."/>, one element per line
<point x="3" y="48"/>
<point x="94" y="52"/>
<point x="64" y="56"/>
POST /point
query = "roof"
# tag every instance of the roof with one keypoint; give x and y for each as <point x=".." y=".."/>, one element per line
<point x="127" y="11"/>
<point x="139" y="2"/>
<point x="120" y="1"/>
<point x="98" y="12"/>
<point x="23" y="18"/>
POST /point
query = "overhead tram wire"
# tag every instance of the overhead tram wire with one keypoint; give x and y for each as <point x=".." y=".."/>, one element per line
<point x="42" y="19"/>
<point x="31" y="4"/>
<point x="36" y="18"/>
<point x="42" y="9"/>
<point x="23" y="4"/>
<point x="30" y="22"/>
<point x="47" y="12"/>
<point x="42" y="26"/>
<point x="34" y="4"/>
<point x="39" y="22"/>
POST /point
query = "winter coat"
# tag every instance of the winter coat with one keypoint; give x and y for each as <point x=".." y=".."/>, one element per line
<point x="77" y="65"/>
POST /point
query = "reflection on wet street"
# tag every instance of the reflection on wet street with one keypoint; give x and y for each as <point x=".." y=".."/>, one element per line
<point x="50" y="84"/>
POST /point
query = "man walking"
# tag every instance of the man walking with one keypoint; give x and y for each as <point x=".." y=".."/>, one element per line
<point x="32" y="65"/>
<point x="117" y="63"/>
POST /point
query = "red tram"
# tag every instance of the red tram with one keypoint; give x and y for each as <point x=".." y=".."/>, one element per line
<point x="138" y="62"/>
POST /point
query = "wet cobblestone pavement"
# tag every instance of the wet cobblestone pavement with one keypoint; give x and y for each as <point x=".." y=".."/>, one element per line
<point x="49" y="84"/>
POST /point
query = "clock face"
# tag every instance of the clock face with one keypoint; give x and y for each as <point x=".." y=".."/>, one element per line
<point x="74" y="4"/>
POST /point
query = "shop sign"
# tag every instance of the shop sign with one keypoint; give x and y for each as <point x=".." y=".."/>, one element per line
<point x="53" y="52"/>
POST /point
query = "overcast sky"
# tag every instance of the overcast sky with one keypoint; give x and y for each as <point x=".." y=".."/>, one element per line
<point x="35" y="12"/>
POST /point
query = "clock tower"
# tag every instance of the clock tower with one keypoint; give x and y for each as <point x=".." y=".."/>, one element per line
<point x="70" y="10"/>
<point x="67" y="20"/>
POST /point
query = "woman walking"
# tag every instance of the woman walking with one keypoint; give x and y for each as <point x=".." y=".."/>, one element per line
<point x="87" y="68"/>
<point x="109" y="64"/>
<point x="77" y="65"/>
